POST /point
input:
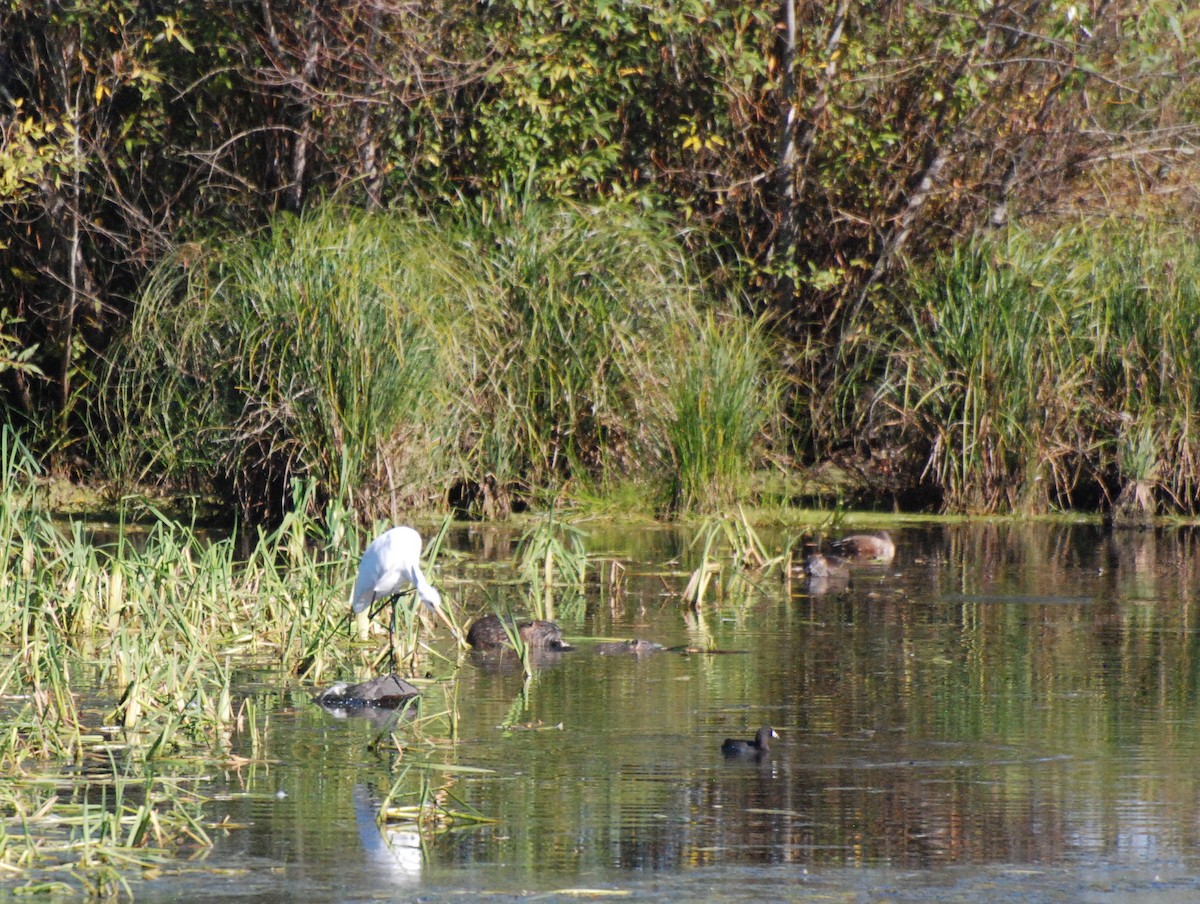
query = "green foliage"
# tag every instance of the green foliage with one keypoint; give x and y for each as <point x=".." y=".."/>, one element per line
<point x="1038" y="365"/>
<point x="994" y="375"/>
<point x="723" y="396"/>
<point x="592" y="96"/>
<point x="509" y="351"/>
<point x="563" y="350"/>
<point x="90" y="185"/>
<point x="130" y="129"/>
<point x="551" y="551"/>
<point x="307" y="351"/>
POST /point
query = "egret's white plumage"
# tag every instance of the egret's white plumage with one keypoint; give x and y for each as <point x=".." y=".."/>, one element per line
<point x="389" y="564"/>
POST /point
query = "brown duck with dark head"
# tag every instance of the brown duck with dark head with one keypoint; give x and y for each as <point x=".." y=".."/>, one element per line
<point x="488" y="633"/>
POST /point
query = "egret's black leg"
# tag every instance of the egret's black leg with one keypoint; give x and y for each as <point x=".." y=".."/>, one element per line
<point x="392" y="632"/>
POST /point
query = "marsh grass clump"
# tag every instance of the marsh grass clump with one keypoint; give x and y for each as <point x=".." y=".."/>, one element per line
<point x="1032" y="369"/>
<point x="306" y="351"/>
<point x="723" y="396"/>
<point x="729" y="540"/>
<point x="1138" y="465"/>
<point x="161" y="617"/>
<point x="995" y="368"/>
<point x="565" y="353"/>
<point x="488" y="359"/>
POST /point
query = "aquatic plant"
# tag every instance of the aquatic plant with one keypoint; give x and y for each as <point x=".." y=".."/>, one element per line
<point x="518" y="644"/>
<point x="1020" y="365"/>
<point x="550" y="552"/>
<point x="307" y="350"/>
<point x="708" y="568"/>
<point x="723" y="396"/>
<point x="429" y="809"/>
<point x="563" y="353"/>
<point x="159" y="616"/>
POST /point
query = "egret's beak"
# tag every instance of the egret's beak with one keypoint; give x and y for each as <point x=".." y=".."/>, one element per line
<point x="454" y="632"/>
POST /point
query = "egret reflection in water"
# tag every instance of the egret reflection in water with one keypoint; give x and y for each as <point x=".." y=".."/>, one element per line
<point x="394" y="852"/>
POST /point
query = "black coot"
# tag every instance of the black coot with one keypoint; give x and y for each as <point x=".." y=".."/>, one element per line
<point x="760" y="744"/>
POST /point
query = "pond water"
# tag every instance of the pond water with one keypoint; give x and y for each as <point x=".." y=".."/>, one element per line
<point x="1002" y="713"/>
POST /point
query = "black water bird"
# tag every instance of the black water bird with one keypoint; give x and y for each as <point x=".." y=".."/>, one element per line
<point x="760" y="745"/>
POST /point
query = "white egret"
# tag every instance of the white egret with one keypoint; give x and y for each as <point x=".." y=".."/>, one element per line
<point x="389" y="564"/>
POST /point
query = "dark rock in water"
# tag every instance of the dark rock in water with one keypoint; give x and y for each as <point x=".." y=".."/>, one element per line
<point x="875" y="546"/>
<point x="625" y="647"/>
<point x="384" y="692"/>
<point x="759" y="746"/>
<point x="488" y="633"/>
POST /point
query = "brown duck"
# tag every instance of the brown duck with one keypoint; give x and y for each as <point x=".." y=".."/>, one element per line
<point x="488" y="633"/>
<point x="874" y="546"/>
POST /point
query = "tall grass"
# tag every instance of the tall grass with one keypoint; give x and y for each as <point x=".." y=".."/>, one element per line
<point x="498" y="356"/>
<point x="995" y="370"/>
<point x="723" y="397"/>
<point x="551" y="550"/>
<point x="304" y="352"/>
<point x="161" y="616"/>
<point x="565" y="355"/>
<point x="1031" y="369"/>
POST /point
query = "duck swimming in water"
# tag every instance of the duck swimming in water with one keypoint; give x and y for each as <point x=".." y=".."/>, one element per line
<point x="488" y="633"/>
<point x="874" y="546"/>
<point x="761" y="743"/>
<point x="819" y="565"/>
<point x="635" y="647"/>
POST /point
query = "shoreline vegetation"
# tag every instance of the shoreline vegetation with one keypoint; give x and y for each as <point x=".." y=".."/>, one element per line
<point x="647" y="258"/>
<point x="564" y="355"/>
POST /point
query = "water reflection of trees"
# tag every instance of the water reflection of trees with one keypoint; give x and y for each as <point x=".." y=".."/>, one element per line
<point x="981" y="701"/>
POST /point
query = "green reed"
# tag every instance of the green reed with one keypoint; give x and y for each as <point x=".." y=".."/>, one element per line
<point x="721" y="406"/>
<point x="549" y="553"/>
<point x="306" y="350"/>
<point x="431" y="809"/>
<point x="163" y="616"/>
<point x="563" y="352"/>
<point x="1028" y="368"/>
<point x="518" y="644"/>
<point x="730" y="540"/>
<point x="510" y="351"/>
<point x="154" y="621"/>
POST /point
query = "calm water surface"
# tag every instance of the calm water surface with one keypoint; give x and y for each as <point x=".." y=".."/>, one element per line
<point x="1003" y="713"/>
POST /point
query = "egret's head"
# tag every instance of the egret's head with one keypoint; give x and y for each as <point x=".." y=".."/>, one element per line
<point x="430" y="597"/>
